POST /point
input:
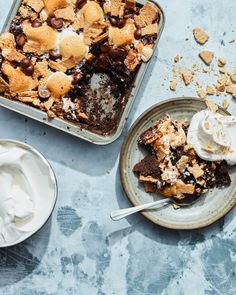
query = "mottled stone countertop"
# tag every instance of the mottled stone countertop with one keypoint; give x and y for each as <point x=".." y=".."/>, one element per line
<point x="80" y="250"/>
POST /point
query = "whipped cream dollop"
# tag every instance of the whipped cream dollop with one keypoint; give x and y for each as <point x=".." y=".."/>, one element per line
<point x="26" y="190"/>
<point x="213" y="136"/>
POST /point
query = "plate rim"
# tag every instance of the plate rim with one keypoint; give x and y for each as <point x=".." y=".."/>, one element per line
<point x="129" y="195"/>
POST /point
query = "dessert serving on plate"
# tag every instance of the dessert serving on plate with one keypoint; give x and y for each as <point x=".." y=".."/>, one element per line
<point x="77" y="60"/>
<point x="187" y="160"/>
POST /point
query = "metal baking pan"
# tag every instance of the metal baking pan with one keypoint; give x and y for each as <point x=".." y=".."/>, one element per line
<point x="71" y="128"/>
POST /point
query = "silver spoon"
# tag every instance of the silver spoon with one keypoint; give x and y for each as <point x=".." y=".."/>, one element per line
<point x="119" y="214"/>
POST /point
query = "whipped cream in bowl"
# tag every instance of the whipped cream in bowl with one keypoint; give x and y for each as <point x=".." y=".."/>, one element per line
<point x="28" y="192"/>
<point x="213" y="136"/>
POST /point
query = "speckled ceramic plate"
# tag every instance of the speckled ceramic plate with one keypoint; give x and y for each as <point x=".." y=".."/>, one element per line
<point x="210" y="207"/>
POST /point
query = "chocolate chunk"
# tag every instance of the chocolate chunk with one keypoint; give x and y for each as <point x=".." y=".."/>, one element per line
<point x="21" y="39"/>
<point x="121" y="22"/>
<point x="54" y="54"/>
<point x="44" y="93"/>
<point x="117" y="53"/>
<point x="29" y="71"/>
<point x="80" y="3"/>
<point x="138" y="34"/>
<point x="149" y="166"/>
<point x="25" y="63"/>
<point x="56" y="23"/>
<point x="36" y="23"/>
<point x="116" y="22"/>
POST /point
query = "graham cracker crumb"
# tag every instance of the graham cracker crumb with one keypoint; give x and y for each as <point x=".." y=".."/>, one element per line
<point x="196" y="171"/>
<point x="210" y="90"/>
<point x="150" y="30"/>
<point x="221" y="61"/>
<point x="230" y="89"/>
<point x="200" y="36"/>
<point x="225" y="103"/>
<point x="37" y="5"/>
<point x="202" y="93"/>
<point x="148" y="14"/>
<point x="233" y="75"/>
<point x="173" y="85"/>
<point x="211" y="106"/>
<point x="177" y="58"/>
<point x="232" y="40"/>
<point x="206" y="56"/>
<point x="187" y="76"/>
<point x="65" y="13"/>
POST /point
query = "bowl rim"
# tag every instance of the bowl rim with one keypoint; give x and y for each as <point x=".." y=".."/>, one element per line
<point x="55" y="184"/>
<point x="125" y="184"/>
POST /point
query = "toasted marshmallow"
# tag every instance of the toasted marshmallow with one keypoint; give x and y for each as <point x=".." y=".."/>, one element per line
<point x="73" y="46"/>
<point x="18" y="81"/>
<point x="44" y="35"/>
<point x="59" y="84"/>
<point x="53" y="5"/>
<point x="92" y="12"/>
<point x="122" y="36"/>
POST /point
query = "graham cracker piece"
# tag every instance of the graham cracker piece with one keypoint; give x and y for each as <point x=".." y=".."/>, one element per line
<point x="51" y="114"/>
<point x="91" y="33"/>
<point x="210" y="90"/>
<point x="57" y="66"/>
<point x="200" y="36"/>
<point x="115" y="7"/>
<point x="131" y="60"/>
<point x="151" y="29"/>
<point x="65" y="13"/>
<point x="173" y="85"/>
<point x="14" y="55"/>
<point x="42" y="68"/>
<point x="4" y="86"/>
<point x="182" y="163"/>
<point x="48" y="104"/>
<point x="230" y="89"/>
<point x="24" y="11"/>
<point x="206" y="56"/>
<point x="31" y="93"/>
<point x="183" y="188"/>
<point x="233" y="75"/>
<point x="147" y="179"/>
<point x="7" y="43"/>
<point x="32" y="47"/>
<point x="225" y="103"/>
<point x="211" y="106"/>
<point x="196" y="171"/>
<point x="221" y="83"/>
<point x="221" y="61"/>
<point x="147" y="15"/>
<point x="187" y="76"/>
<point x="37" y="5"/>
<point x="101" y="38"/>
<point x="78" y="23"/>
<point x="202" y="93"/>
<point x="68" y="63"/>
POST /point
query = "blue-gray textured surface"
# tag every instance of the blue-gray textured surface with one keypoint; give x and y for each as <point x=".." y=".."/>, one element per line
<point x="80" y="250"/>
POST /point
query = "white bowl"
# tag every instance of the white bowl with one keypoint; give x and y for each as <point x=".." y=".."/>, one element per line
<point x="47" y="194"/>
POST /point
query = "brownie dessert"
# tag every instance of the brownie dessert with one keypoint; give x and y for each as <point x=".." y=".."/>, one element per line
<point x="77" y="60"/>
<point x="172" y="167"/>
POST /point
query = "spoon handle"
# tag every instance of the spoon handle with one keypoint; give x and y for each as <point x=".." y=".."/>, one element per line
<point x="119" y="214"/>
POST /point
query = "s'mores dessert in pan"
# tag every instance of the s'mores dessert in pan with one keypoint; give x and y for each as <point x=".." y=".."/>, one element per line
<point x="77" y="60"/>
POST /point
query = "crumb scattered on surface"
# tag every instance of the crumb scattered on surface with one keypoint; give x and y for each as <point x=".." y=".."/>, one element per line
<point x="221" y="61"/>
<point x="187" y="76"/>
<point x="178" y="58"/>
<point x="232" y="40"/>
<point x="202" y="93"/>
<point x="206" y="56"/>
<point x="210" y="90"/>
<point x="211" y="106"/>
<point x="200" y="36"/>
<point x="233" y="75"/>
<point x="173" y="85"/>
<point x="225" y="103"/>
